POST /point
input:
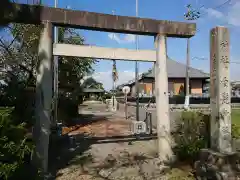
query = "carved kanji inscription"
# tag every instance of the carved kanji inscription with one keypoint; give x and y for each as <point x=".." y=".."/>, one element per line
<point x="214" y="70"/>
<point x="225" y="132"/>
<point x="224" y="82"/>
<point x="224" y="98"/>
<point x="224" y="45"/>
<point x="225" y="61"/>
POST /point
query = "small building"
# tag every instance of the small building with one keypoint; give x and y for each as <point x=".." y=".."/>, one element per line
<point x="93" y="93"/>
<point x="176" y="80"/>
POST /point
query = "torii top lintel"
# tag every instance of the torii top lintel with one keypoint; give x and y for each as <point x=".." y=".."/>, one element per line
<point x="35" y="14"/>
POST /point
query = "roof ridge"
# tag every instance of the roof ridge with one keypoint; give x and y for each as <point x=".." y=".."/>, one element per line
<point x="170" y="59"/>
<point x="150" y="72"/>
<point x="186" y="65"/>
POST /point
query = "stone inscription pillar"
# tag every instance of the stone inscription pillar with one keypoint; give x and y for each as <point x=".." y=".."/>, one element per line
<point x="162" y="101"/>
<point x="44" y="92"/>
<point x="220" y="90"/>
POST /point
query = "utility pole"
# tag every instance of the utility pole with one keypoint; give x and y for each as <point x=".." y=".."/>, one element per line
<point x="190" y="15"/>
<point x="136" y="73"/>
<point x="186" y="105"/>
<point x="114" y="77"/>
<point x="55" y="66"/>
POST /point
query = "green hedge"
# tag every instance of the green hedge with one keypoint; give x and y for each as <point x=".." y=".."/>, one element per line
<point x="193" y="133"/>
<point x="15" y="148"/>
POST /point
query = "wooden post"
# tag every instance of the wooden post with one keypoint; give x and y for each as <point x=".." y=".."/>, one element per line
<point x="220" y="90"/>
<point x="162" y="100"/>
<point x="44" y="92"/>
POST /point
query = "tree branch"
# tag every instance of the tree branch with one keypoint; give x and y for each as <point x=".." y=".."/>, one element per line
<point x="20" y="65"/>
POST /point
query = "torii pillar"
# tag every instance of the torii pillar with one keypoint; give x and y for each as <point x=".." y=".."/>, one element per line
<point x="44" y="92"/>
<point x="162" y="100"/>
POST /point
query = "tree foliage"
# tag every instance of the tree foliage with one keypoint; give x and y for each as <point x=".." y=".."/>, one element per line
<point x="14" y="147"/>
<point x="192" y="14"/>
<point x="21" y="55"/>
<point x="18" y="60"/>
<point x="72" y="69"/>
<point x="92" y="83"/>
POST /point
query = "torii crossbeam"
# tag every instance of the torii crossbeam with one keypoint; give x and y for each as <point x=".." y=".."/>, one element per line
<point x="35" y="14"/>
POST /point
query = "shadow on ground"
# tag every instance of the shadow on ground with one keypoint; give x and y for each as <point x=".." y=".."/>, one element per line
<point x="64" y="149"/>
<point x="86" y="119"/>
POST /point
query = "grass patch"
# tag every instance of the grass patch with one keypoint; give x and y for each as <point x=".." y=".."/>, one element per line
<point x="236" y="116"/>
<point x="180" y="174"/>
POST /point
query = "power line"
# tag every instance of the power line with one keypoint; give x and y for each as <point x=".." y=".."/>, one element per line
<point x="214" y="8"/>
<point x="205" y="59"/>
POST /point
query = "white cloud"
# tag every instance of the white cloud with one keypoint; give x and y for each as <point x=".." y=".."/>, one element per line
<point x="106" y="78"/>
<point x="114" y="37"/>
<point x="231" y="17"/>
<point x="234" y="14"/>
<point x="214" y="13"/>
<point x="128" y="38"/>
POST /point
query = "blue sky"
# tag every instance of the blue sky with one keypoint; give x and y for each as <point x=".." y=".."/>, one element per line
<point x="228" y="15"/>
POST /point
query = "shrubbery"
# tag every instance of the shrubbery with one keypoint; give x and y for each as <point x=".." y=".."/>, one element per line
<point x="190" y="135"/>
<point x="193" y="133"/>
<point x="15" y="149"/>
<point x="235" y="131"/>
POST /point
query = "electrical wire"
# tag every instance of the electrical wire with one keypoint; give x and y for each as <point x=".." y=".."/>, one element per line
<point x="205" y="59"/>
<point x="214" y="8"/>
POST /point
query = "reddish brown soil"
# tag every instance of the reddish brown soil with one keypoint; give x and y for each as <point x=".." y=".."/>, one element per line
<point x="104" y="128"/>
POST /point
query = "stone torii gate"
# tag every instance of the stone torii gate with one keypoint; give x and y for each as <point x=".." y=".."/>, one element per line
<point x="50" y="17"/>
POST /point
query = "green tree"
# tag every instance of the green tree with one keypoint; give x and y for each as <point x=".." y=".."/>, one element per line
<point x="18" y="60"/>
<point x="15" y="148"/>
<point x="191" y="14"/>
<point x="21" y="55"/>
<point x="92" y="83"/>
<point x="72" y="69"/>
<point x="19" y="49"/>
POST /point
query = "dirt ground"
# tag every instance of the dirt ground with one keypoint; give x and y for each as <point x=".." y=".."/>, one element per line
<point x="93" y="153"/>
<point x="101" y="128"/>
